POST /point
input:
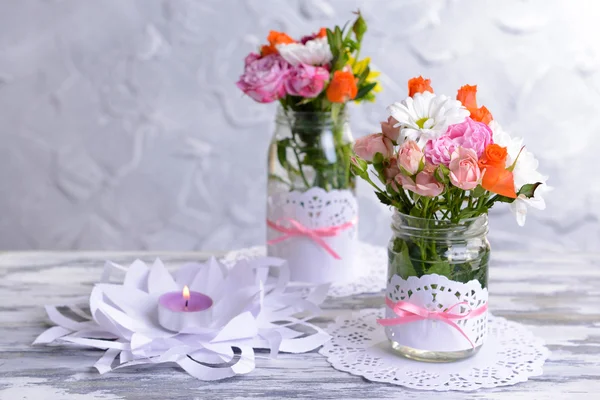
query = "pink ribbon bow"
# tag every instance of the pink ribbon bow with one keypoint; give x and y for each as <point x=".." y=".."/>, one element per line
<point x="317" y="234"/>
<point x="408" y="312"/>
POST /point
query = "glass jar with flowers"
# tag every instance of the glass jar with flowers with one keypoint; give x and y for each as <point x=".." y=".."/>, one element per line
<point x="312" y="212"/>
<point x="442" y="164"/>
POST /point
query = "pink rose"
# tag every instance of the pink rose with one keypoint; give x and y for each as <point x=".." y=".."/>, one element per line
<point x="250" y="58"/>
<point x="264" y="78"/>
<point x="464" y="171"/>
<point x="366" y="147"/>
<point x="471" y="135"/>
<point x="306" y="81"/>
<point x="390" y="171"/>
<point x="424" y="184"/>
<point x="410" y="157"/>
<point x="388" y="130"/>
<point x="439" y="151"/>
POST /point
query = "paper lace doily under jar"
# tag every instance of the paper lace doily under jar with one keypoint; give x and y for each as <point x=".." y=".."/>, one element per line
<point x="372" y="277"/>
<point x="511" y="354"/>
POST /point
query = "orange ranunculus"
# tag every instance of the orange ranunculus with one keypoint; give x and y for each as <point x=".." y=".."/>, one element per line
<point x="467" y="95"/>
<point x="342" y="87"/>
<point x="493" y="155"/>
<point x="274" y="39"/>
<point x="322" y="33"/>
<point x="498" y="179"/>
<point x="419" y="85"/>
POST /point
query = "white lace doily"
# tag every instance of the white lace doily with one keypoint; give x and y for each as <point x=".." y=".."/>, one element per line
<point x="510" y="355"/>
<point x="373" y="271"/>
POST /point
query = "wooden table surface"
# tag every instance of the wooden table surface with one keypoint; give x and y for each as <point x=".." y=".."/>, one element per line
<point x="556" y="295"/>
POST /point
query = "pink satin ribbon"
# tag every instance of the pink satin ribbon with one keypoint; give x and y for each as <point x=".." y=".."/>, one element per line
<point x="408" y="312"/>
<point x="317" y="234"/>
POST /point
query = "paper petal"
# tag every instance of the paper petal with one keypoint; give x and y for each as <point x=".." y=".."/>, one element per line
<point x="160" y="280"/>
<point x="130" y="300"/>
<point x="244" y="365"/>
<point x="241" y="327"/>
<point x="137" y="276"/>
<point x="304" y="344"/>
<point x="103" y="365"/>
<point x="209" y="279"/>
<point x="61" y="320"/>
<point x="110" y="268"/>
<point x="50" y="335"/>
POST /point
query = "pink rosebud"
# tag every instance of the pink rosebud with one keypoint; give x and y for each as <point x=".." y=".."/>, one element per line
<point x="388" y="130"/>
<point x="464" y="171"/>
<point x="366" y="147"/>
<point x="264" y="78"/>
<point x="391" y="170"/>
<point x="410" y="157"/>
<point x="424" y="184"/>
<point x="306" y="81"/>
<point x="439" y="151"/>
<point x="471" y="135"/>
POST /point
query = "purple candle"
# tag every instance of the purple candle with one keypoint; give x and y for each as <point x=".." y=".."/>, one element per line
<point x="184" y="311"/>
<point x="185" y="301"/>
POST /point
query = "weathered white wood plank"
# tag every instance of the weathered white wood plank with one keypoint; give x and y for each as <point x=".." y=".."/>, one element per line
<point x="557" y="296"/>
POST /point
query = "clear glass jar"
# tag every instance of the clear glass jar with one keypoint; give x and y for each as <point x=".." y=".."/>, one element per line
<point x="459" y="252"/>
<point x="311" y="188"/>
<point x="310" y="149"/>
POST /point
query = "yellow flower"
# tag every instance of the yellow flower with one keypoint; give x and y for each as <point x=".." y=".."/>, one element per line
<point x="358" y="67"/>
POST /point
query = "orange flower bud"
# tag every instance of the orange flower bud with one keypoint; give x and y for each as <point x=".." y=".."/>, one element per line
<point x="499" y="180"/>
<point x="419" y="85"/>
<point x="342" y="87"/>
<point x="467" y="95"/>
<point x="493" y="155"/>
<point x="274" y="39"/>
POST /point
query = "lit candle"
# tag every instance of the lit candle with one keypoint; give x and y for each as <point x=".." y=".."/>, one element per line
<point x="185" y="310"/>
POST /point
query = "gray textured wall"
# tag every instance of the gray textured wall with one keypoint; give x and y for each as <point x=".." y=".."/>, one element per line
<point x="121" y="127"/>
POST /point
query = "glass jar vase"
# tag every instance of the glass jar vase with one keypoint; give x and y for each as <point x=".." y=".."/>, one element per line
<point x="311" y="206"/>
<point x="436" y="297"/>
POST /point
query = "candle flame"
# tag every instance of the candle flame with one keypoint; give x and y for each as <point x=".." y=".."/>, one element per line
<point x="186" y="292"/>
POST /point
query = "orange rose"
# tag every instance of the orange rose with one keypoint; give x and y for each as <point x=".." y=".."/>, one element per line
<point x="493" y="155"/>
<point x="419" y="85"/>
<point x="274" y="39"/>
<point x="499" y="180"/>
<point x="342" y="87"/>
<point x="322" y="33"/>
<point x="467" y="95"/>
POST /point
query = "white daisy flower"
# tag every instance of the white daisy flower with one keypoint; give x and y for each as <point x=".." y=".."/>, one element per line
<point x="525" y="172"/>
<point x="427" y="116"/>
<point x="314" y="52"/>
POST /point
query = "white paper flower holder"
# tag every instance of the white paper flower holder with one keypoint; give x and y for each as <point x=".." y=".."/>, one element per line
<point x="316" y="232"/>
<point x="432" y="314"/>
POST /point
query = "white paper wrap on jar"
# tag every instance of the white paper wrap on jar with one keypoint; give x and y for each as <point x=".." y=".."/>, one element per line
<point x="315" y="210"/>
<point x="437" y="294"/>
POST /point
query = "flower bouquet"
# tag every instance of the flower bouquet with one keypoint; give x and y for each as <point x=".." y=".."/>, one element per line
<point x="312" y="211"/>
<point x="442" y="164"/>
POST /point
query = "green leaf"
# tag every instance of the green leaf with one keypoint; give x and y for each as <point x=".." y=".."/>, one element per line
<point x="439" y="175"/>
<point x="503" y="199"/>
<point x="383" y="198"/>
<point x="378" y="158"/>
<point x="360" y="27"/>
<point x="332" y="45"/>
<point x="282" y="152"/>
<point x="400" y="260"/>
<point x="478" y="191"/>
<point x="357" y="171"/>
<point x="362" y="92"/>
<point x="529" y="189"/>
<point x="442" y="268"/>
<point x="415" y="212"/>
